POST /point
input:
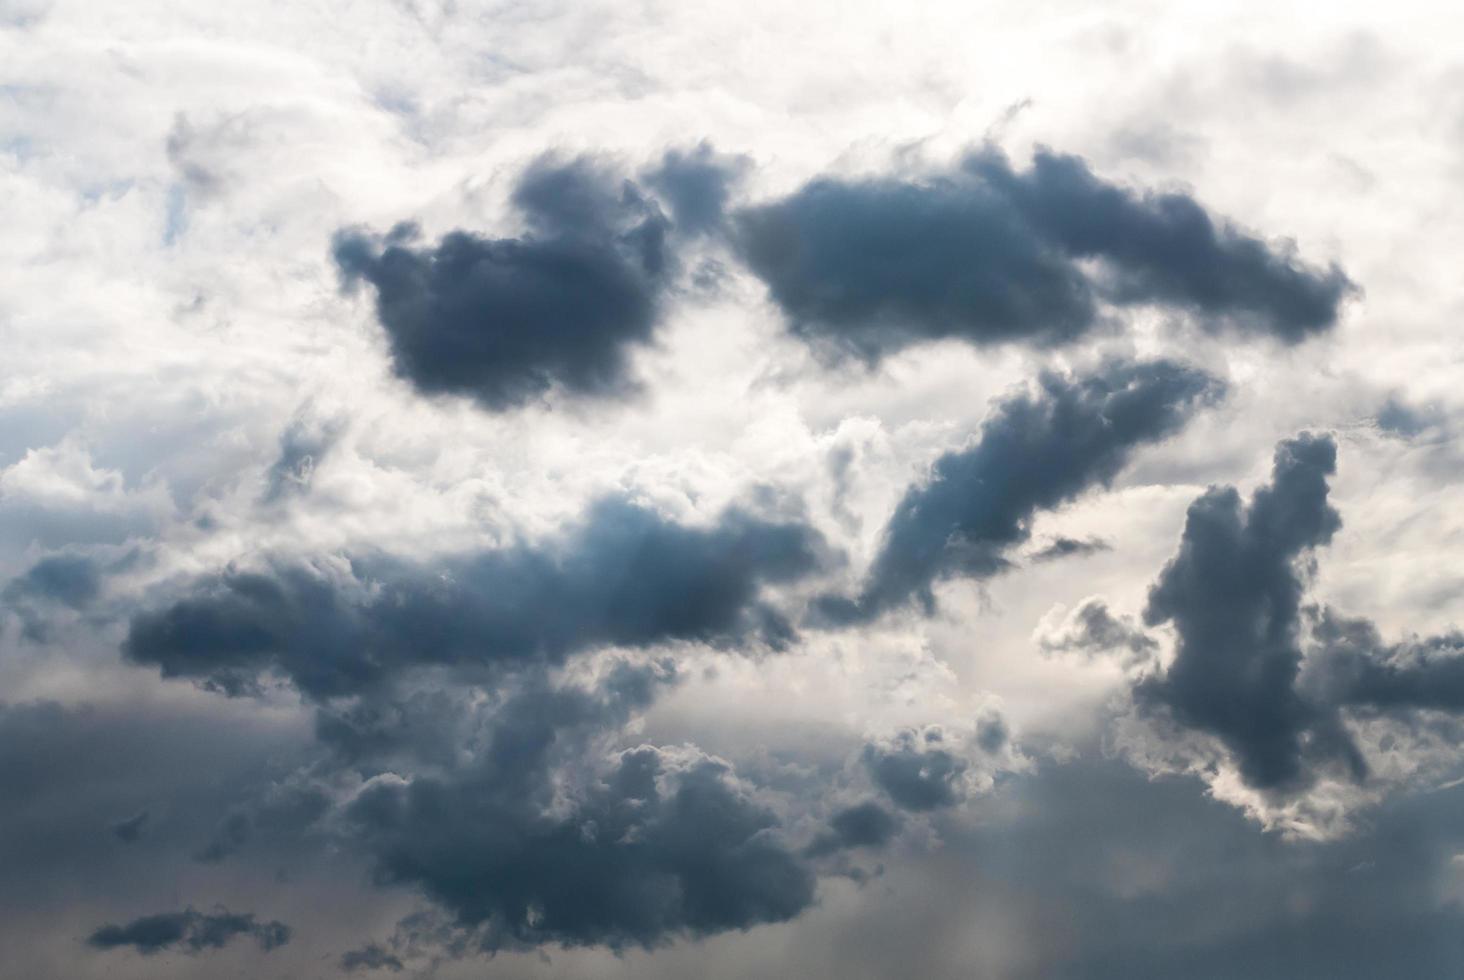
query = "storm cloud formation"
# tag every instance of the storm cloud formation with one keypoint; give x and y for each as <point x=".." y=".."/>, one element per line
<point x="990" y="255"/>
<point x="917" y="769"/>
<point x="1035" y="452"/>
<point x="505" y="320"/>
<point x="1357" y="668"/>
<point x="1233" y="592"/>
<point x="624" y="576"/>
<point x="190" y="931"/>
<point x="658" y="842"/>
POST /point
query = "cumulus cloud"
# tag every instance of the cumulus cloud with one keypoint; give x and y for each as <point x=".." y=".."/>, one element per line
<point x="989" y="254"/>
<point x="624" y="576"/>
<point x="1356" y="667"/>
<point x="1036" y="451"/>
<point x="652" y="844"/>
<point x="504" y="320"/>
<point x="864" y="824"/>
<point x="190" y="931"/>
<point x="1233" y="592"/>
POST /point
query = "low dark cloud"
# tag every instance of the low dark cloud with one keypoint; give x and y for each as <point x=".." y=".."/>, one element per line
<point x="918" y="769"/>
<point x="504" y="320"/>
<point x="1233" y="593"/>
<point x="658" y="843"/>
<point x="71" y="580"/>
<point x="370" y="957"/>
<point x="990" y="255"/>
<point x="1035" y="452"/>
<point x="697" y="185"/>
<point x="1357" y="668"/>
<point x="624" y="576"/>
<point x="864" y="824"/>
<point x="129" y="829"/>
<point x="189" y="931"/>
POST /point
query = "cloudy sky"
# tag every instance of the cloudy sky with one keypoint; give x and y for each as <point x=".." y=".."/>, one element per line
<point x="861" y="490"/>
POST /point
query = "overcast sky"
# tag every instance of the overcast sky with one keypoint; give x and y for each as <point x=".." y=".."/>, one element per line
<point x="858" y="490"/>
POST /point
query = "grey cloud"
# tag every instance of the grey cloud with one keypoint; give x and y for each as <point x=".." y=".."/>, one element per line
<point x="1064" y="547"/>
<point x="370" y="957"/>
<point x="1233" y="592"/>
<point x="190" y="931"/>
<point x="623" y="576"/>
<point x="991" y="255"/>
<point x="69" y="579"/>
<point x="505" y="320"/>
<point x="129" y="829"/>
<point x="303" y="445"/>
<point x="1148" y="878"/>
<point x="1034" y="452"/>
<point x="1355" y="667"/>
<point x="656" y="844"/>
<point x="1092" y="629"/>
<point x="1397" y="417"/>
<point x="697" y="184"/>
<point x="864" y="824"/>
<point x="917" y="769"/>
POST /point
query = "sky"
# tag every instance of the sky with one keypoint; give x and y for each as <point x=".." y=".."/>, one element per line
<point x="547" y="490"/>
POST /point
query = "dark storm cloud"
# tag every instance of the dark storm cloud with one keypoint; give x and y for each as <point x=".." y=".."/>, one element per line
<point x="659" y="843"/>
<point x="1130" y="876"/>
<point x="505" y="320"/>
<point x="624" y="576"/>
<point x="991" y="255"/>
<point x="1356" y="668"/>
<point x="1233" y="593"/>
<point x="129" y="829"/>
<point x="862" y="825"/>
<point x="1035" y="452"/>
<point x="190" y="931"/>
<point x="917" y="769"/>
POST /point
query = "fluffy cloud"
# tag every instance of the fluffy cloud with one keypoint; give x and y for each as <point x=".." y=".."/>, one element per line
<point x="624" y="576"/>
<point x="1034" y="452"/>
<point x="989" y="254"/>
<point x="505" y="320"/>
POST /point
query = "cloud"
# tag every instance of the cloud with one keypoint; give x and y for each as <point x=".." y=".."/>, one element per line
<point x="1357" y="668"/>
<point x="1064" y="547"/>
<point x="991" y="255"/>
<point x="1035" y="452"/>
<point x="1093" y="630"/>
<point x="189" y="931"/>
<point x="506" y="320"/>
<point x="71" y="580"/>
<point x="1233" y="592"/>
<point x="864" y="824"/>
<point x="697" y="184"/>
<point x="652" y="844"/>
<point x="129" y="829"/>
<point x="624" y="576"/>
<point x="917" y="770"/>
<point x="303" y="445"/>
<point x="370" y="957"/>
